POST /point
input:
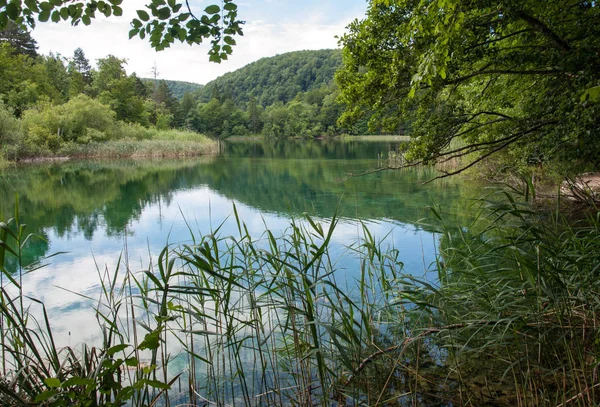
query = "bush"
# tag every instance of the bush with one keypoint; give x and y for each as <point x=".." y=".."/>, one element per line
<point x="11" y="136"/>
<point x="133" y="131"/>
<point x="81" y="120"/>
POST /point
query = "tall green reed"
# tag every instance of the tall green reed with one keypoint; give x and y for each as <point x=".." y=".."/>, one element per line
<point x="240" y="320"/>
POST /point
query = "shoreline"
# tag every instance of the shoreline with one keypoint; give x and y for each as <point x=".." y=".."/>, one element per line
<point x="124" y="149"/>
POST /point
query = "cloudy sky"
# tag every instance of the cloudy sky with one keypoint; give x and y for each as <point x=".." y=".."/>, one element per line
<point x="272" y="27"/>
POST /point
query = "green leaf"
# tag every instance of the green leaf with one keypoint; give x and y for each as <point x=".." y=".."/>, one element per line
<point x="135" y="23"/>
<point x="46" y="6"/>
<point x="30" y="4"/>
<point x="44" y="16"/>
<point x="64" y="13"/>
<point x="116" y="348"/>
<point x="56" y="3"/>
<point x="131" y="362"/>
<point x="133" y="33"/>
<point x="163" y="13"/>
<point x="86" y="20"/>
<point x="591" y="94"/>
<point x="117" y="11"/>
<point x="230" y="7"/>
<point x="45" y="395"/>
<point x="143" y="15"/>
<point x="171" y="3"/>
<point x="214" y="9"/>
<point x="52" y="382"/>
<point x="77" y="381"/>
<point x="55" y="16"/>
<point x="183" y="16"/>
<point x="12" y="11"/>
<point x="151" y="341"/>
<point x="157" y="384"/>
<point x="228" y="40"/>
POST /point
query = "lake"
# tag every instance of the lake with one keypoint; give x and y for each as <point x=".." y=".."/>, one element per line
<point x="95" y="213"/>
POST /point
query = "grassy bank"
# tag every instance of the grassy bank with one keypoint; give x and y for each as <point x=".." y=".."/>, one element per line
<point x="151" y="143"/>
<point x="141" y="148"/>
<point x="85" y="128"/>
<point x="512" y="320"/>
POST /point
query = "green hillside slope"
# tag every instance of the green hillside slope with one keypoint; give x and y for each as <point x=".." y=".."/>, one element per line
<point x="177" y="88"/>
<point x="278" y="78"/>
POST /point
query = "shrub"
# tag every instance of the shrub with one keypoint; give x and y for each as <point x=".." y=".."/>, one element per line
<point x="81" y="120"/>
<point x="11" y="136"/>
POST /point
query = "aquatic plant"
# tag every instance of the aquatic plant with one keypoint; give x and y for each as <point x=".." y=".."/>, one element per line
<point x="223" y="320"/>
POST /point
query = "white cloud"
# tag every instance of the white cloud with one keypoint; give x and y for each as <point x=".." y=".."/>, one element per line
<point x="264" y="36"/>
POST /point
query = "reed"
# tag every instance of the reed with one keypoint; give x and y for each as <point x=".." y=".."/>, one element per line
<point x="237" y="320"/>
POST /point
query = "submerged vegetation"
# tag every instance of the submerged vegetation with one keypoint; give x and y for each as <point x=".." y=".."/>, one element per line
<point x="237" y="320"/>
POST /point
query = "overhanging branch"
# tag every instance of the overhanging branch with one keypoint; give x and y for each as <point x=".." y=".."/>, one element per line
<point x="544" y="29"/>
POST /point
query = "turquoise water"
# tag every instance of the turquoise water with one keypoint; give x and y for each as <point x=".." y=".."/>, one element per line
<point x="94" y="213"/>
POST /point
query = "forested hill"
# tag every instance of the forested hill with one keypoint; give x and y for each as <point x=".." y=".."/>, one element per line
<point x="177" y="88"/>
<point x="278" y="78"/>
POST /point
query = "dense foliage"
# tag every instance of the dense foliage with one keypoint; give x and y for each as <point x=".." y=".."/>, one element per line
<point x="48" y="103"/>
<point x="289" y="95"/>
<point x="276" y="79"/>
<point x="521" y="76"/>
<point x="177" y="88"/>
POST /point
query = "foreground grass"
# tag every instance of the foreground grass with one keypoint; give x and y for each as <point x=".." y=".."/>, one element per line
<point x="511" y="321"/>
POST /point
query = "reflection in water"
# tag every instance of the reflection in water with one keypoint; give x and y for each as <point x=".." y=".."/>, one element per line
<point x="91" y="210"/>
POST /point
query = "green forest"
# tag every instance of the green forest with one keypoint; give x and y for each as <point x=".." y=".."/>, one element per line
<point x="487" y="300"/>
<point x="53" y="105"/>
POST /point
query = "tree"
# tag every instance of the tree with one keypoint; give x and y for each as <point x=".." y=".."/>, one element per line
<point x="514" y="75"/>
<point x="120" y="92"/>
<point x="82" y="65"/>
<point x="162" y="22"/>
<point x="254" y="116"/>
<point x="19" y="39"/>
<point x="57" y="74"/>
<point x="23" y="81"/>
<point x="110" y="70"/>
<point x="186" y="105"/>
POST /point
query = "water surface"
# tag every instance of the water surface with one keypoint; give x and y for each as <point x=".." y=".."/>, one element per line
<point x="91" y="211"/>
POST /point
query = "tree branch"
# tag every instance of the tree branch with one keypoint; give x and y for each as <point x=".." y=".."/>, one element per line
<point x="509" y="140"/>
<point x="544" y="29"/>
<point x="504" y="72"/>
<point x="498" y="39"/>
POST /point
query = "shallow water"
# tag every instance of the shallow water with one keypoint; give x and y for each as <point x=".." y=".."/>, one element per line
<point x="91" y="211"/>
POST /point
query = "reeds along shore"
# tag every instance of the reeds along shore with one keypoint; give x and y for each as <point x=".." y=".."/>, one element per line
<point x="512" y="321"/>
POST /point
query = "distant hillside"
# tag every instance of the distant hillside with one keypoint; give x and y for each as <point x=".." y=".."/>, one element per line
<point x="278" y="78"/>
<point x="177" y="88"/>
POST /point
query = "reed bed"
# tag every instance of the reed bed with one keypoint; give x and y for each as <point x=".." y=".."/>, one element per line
<point x="232" y="320"/>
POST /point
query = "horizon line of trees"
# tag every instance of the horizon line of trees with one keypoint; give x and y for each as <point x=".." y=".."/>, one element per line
<point x="43" y="93"/>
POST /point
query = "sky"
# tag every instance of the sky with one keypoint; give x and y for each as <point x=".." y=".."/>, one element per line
<point x="272" y="27"/>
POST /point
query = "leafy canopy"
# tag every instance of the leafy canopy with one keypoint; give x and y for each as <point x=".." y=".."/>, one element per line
<point x="161" y="22"/>
<point x="516" y="75"/>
